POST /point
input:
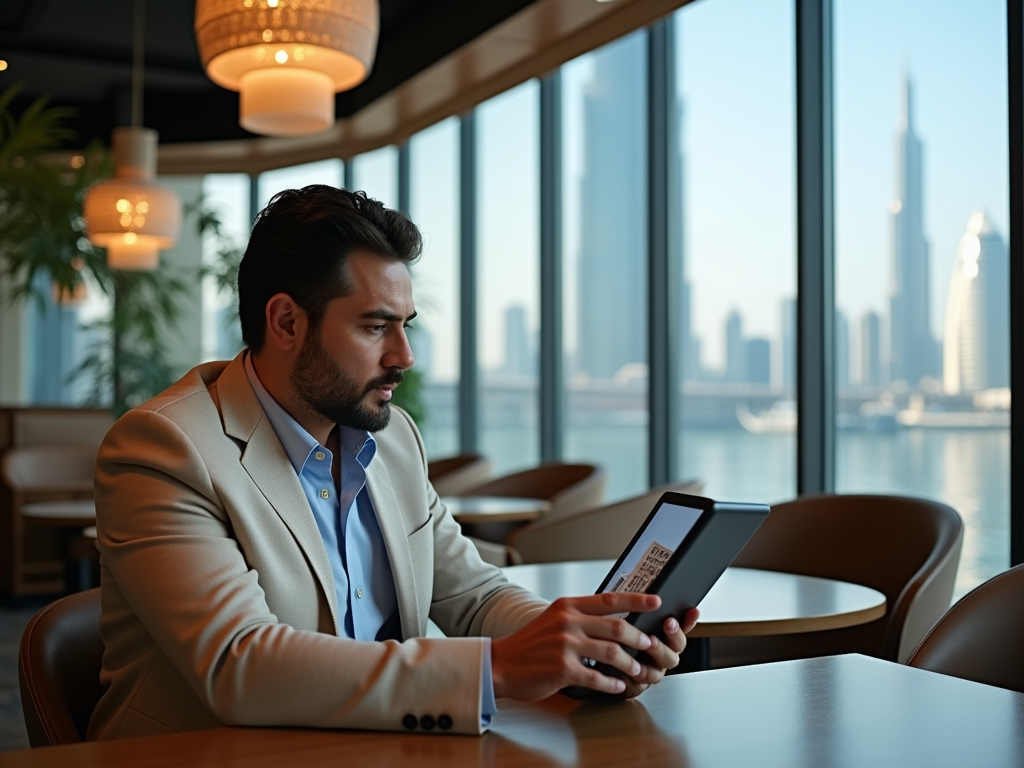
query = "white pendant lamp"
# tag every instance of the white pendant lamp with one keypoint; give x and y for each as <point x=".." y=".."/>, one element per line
<point x="287" y="58"/>
<point x="130" y="215"/>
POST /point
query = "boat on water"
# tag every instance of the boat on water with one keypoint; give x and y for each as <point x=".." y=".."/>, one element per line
<point x="781" y="417"/>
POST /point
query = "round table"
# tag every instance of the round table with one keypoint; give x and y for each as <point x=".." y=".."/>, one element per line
<point x="744" y="603"/>
<point x="473" y="510"/>
<point x="66" y="512"/>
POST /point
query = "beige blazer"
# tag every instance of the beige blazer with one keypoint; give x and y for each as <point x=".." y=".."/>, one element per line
<point x="218" y="598"/>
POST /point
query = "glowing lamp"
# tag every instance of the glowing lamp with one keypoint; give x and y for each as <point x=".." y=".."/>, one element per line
<point x="129" y="215"/>
<point x="287" y="58"/>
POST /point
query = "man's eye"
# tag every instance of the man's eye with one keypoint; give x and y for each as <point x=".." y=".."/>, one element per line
<point x="378" y="328"/>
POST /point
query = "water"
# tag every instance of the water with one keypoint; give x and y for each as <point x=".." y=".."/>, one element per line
<point x="967" y="469"/>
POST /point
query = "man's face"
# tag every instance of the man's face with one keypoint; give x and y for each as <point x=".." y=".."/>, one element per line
<point x="348" y="368"/>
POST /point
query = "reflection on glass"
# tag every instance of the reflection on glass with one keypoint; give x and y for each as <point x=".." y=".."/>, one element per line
<point x="376" y="174"/>
<point x="434" y="203"/>
<point x="298" y="176"/>
<point x="226" y="195"/>
<point x="735" y="81"/>
<point x="921" y="263"/>
<point x="508" y="254"/>
<point x="605" y="246"/>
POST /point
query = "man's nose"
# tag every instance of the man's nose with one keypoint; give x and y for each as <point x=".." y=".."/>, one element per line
<point x="400" y="355"/>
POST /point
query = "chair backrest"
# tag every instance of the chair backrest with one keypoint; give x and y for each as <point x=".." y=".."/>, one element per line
<point x="48" y="467"/>
<point x="979" y="639"/>
<point x="906" y="548"/>
<point x="569" y="487"/>
<point x="456" y="474"/>
<point x="59" y="669"/>
<point x="590" y="534"/>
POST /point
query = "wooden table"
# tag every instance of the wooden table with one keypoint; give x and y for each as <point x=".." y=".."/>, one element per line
<point x="474" y="510"/>
<point x="835" y="711"/>
<point x="65" y="512"/>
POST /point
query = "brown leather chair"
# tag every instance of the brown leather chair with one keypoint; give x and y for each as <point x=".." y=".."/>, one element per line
<point x="59" y="669"/>
<point x="569" y="487"/>
<point x="906" y="548"/>
<point x="979" y="639"/>
<point x="590" y="534"/>
<point x="456" y="474"/>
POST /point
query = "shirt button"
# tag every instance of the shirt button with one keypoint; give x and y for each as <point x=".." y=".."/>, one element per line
<point x="359" y="594"/>
<point x="325" y="494"/>
<point x="320" y="455"/>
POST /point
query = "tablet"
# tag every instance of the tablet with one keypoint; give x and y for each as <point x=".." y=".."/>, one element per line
<point x="681" y="550"/>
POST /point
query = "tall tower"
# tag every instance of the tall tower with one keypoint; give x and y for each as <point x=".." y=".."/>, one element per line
<point x="977" y="349"/>
<point x="612" y="274"/>
<point x="735" y="351"/>
<point x="912" y="349"/>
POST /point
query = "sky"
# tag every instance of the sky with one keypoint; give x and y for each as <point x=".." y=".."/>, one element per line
<point x="735" y="68"/>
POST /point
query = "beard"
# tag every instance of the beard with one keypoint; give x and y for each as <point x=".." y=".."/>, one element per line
<point x="322" y="386"/>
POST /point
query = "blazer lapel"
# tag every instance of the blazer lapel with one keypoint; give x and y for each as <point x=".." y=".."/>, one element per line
<point x="267" y="463"/>
<point x="396" y="540"/>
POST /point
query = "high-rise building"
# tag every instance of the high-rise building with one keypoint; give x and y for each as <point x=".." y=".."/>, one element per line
<point x="977" y="342"/>
<point x="518" y="357"/>
<point x="735" y="352"/>
<point x="912" y="348"/>
<point x="842" y="332"/>
<point x="869" y="353"/>
<point x="784" y="352"/>
<point x="611" y="278"/>
<point x="758" y="361"/>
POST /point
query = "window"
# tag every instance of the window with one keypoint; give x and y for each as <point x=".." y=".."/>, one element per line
<point x="921" y="261"/>
<point x="736" y="124"/>
<point x="376" y="174"/>
<point x="605" y="255"/>
<point x="298" y="176"/>
<point x="508" y="254"/>
<point x="227" y="196"/>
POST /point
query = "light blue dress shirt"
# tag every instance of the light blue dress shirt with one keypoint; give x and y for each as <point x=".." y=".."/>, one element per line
<point x="363" y="582"/>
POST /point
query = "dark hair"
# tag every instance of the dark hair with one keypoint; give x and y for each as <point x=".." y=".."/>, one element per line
<point x="299" y="245"/>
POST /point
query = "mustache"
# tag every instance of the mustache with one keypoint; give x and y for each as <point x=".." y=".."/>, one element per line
<point x="394" y="376"/>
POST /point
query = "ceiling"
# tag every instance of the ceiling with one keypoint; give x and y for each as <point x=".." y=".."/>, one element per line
<point x="80" y="54"/>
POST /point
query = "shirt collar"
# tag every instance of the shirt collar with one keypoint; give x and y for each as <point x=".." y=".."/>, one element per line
<point x="297" y="442"/>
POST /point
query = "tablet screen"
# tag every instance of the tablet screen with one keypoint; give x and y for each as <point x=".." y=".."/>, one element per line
<point x="652" y="550"/>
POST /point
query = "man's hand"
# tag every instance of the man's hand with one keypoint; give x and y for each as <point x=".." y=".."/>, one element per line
<point x="547" y="654"/>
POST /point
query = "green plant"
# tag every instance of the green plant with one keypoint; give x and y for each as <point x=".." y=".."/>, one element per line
<point x="42" y="232"/>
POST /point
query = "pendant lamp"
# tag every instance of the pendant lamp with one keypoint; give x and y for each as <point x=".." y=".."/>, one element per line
<point x="130" y="215"/>
<point x="287" y="58"/>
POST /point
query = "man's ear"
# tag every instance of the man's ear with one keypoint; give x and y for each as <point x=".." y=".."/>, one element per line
<point x="286" y="322"/>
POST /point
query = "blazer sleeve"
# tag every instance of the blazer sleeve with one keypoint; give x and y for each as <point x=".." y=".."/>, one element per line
<point x="168" y="544"/>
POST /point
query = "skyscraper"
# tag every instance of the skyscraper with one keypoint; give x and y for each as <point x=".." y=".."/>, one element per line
<point x="735" y="352"/>
<point x="784" y="353"/>
<point x="869" y="352"/>
<point x="518" y="360"/>
<point x="842" y="332"/>
<point x="977" y="349"/>
<point x="912" y="349"/>
<point x="613" y="243"/>
<point x="759" y="361"/>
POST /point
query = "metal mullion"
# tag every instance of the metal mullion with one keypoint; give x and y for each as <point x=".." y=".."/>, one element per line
<point x="254" y="197"/>
<point x="349" y="174"/>
<point x="469" y="392"/>
<point x="552" y="389"/>
<point x="404" y="191"/>
<point x="815" y="375"/>
<point x="662" y="271"/>
<point x="1015" y="81"/>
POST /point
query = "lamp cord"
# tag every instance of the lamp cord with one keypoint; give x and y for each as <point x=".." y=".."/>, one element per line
<point x="138" y="44"/>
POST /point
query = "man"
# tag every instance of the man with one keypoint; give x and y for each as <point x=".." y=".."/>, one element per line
<point x="271" y="547"/>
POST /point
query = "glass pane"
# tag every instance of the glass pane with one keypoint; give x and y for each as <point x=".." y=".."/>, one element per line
<point x="508" y="255"/>
<point x="434" y="203"/>
<point x="921" y="261"/>
<point x="737" y="245"/>
<point x="376" y="174"/>
<point x="227" y="196"/>
<point x="605" y="254"/>
<point x="298" y="176"/>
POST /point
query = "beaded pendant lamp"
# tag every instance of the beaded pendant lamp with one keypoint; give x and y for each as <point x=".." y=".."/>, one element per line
<point x="287" y="58"/>
<point x="130" y="215"/>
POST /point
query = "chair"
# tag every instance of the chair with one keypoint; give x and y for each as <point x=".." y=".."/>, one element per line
<point x="979" y="639"/>
<point x="43" y="486"/>
<point x="456" y="474"/>
<point x="569" y="487"/>
<point x="590" y="534"/>
<point x="906" y="548"/>
<point x="59" y="669"/>
<point x="496" y="554"/>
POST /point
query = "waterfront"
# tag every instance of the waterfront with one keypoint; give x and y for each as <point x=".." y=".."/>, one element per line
<point x="966" y="468"/>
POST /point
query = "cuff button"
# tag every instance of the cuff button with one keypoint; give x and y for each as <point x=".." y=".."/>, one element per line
<point x="409" y="721"/>
<point x="444" y="722"/>
<point x="427" y="723"/>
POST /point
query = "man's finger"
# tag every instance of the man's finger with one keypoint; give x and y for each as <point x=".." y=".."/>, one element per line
<point x="674" y="636"/>
<point x="616" y="602"/>
<point x="662" y="655"/>
<point x="617" y="630"/>
<point x="611" y="654"/>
